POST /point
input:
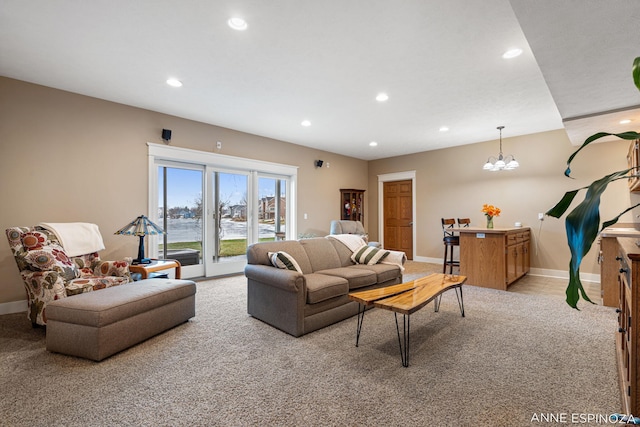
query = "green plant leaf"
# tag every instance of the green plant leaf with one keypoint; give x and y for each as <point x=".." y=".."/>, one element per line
<point x="609" y="223"/>
<point x="630" y="135"/>
<point x="582" y="226"/>
<point x="561" y="207"/>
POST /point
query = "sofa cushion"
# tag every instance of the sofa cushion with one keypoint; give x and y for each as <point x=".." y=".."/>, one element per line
<point x="384" y="272"/>
<point x="93" y="283"/>
<point x="51" y="258"/>
<point x="33" y="240"/>
<point x="357" y="277"/>
<point x="321" y="253"/>
<point x="281" y="259"/>
<point x="369" y="255"/>
<point x="321" y="287"/>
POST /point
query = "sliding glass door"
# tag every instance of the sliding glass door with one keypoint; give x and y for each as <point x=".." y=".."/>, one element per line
<point x="272" y="208"/>
<point x="229" y="235"/>
<point x="180" y="214"/>
<point x="213" y="207"/>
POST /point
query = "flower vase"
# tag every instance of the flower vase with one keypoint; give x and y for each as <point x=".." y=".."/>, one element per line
<point x="489" y="221"/>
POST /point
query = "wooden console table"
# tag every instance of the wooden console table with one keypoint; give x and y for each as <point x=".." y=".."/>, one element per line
<point x="494" y="257"/>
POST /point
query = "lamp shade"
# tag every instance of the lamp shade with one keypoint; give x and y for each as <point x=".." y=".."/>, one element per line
<point x="141" y="226"/>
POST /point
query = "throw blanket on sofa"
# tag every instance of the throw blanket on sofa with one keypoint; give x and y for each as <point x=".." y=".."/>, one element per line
<point x="395" y="257"/>
<point x="77" y="238"/>
<point x="354" y="242"/>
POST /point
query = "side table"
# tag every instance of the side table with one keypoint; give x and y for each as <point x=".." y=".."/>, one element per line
<point x="156" y="265"/>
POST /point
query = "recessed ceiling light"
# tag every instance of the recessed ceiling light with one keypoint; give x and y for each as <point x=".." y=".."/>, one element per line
<point x="444" y="129"/>
<point x="174" y="82"/>
<point x="512" y="53"/>
<point x="237" y="24"/>
<point x="373" y="144"/>
<point x="381" y="97"/>
<point x="625" y="121"/>
<point x="305" y="123"/>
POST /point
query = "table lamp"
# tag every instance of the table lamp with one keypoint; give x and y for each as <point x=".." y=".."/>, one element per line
<point x="141" y="226"/>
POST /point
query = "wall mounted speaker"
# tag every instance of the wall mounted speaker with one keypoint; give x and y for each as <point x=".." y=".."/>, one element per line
<point x="319" y="163"/>
<point x="166" y="134"/>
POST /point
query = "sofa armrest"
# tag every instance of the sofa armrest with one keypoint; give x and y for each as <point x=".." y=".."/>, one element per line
<point x="42" y="287"/>
<point x="277" y="297"/>
<point x="287" y="280"/>
<point x="47" y="285"/>
<point x="112" y="268"/>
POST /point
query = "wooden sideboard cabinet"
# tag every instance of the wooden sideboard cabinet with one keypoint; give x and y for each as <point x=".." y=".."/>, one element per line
<point x="627" y="335"/>
<point x="494" y="258"/>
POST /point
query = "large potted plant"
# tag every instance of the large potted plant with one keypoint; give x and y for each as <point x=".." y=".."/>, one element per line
<point x="583" y="222"/>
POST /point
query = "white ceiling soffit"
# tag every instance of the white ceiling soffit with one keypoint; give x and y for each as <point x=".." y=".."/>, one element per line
<point x="439" y="61"/>
<point x="585" y="50"/>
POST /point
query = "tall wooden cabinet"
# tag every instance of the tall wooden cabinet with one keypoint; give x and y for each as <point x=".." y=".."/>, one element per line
<point x="352" y="204"/>
<point x="627" y="336"/>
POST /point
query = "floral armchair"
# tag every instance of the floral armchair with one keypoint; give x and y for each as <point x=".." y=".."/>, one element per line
<point x="49" y="274"/>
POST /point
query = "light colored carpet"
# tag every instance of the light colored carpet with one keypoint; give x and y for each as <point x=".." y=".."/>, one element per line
<point x="511" y="357"/>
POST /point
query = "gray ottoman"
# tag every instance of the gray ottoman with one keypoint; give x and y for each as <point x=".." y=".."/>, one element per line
<point x="98" y="324"/>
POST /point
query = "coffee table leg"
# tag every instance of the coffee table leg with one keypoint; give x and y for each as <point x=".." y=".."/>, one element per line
<point x="360" y="319"/>
<point x="404" y="350"/>
<point x="436" y="303"/>
<point x="460" y="300"/>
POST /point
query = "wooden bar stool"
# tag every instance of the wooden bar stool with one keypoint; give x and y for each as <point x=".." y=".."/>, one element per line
<point x="450" y="241"/>
<point x="464" y="222"/>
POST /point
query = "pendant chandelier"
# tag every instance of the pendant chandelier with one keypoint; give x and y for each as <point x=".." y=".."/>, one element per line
<point x="501" y="163"/>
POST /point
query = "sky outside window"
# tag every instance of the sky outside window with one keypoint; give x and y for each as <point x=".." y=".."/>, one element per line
<point x="185" y="187"/>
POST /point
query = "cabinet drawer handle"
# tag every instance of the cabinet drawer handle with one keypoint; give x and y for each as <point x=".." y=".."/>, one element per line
<point x="618" y="310"/>
<point x="618" y="258"/>
<point x="624" y="270"/>
<point x="622" y="330"/>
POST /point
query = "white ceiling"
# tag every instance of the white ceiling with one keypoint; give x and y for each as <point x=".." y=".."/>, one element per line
<point x="325" y="61"/>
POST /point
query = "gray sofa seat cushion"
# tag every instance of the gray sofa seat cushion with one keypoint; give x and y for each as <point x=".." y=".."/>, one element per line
<point x="321" y="287"/>
<point x="357" y="277"/>
<point x="384" y="272"/>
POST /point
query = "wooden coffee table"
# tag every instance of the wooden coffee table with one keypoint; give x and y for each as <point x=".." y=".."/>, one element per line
<point x="407" y="298"/>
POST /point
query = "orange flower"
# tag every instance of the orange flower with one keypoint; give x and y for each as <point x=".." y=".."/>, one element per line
<point x="490" y="210"/>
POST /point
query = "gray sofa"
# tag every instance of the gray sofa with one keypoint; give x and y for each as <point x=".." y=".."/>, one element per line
<point x="301" y="303"/>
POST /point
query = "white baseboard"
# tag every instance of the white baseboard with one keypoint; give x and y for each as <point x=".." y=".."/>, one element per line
<point x="543" y="272"/>
<point x="13" y="307"/>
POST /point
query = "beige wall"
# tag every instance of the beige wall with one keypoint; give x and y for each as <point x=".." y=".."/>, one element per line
<point x="66" y="158"/>
<point x="451" y="183"/>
